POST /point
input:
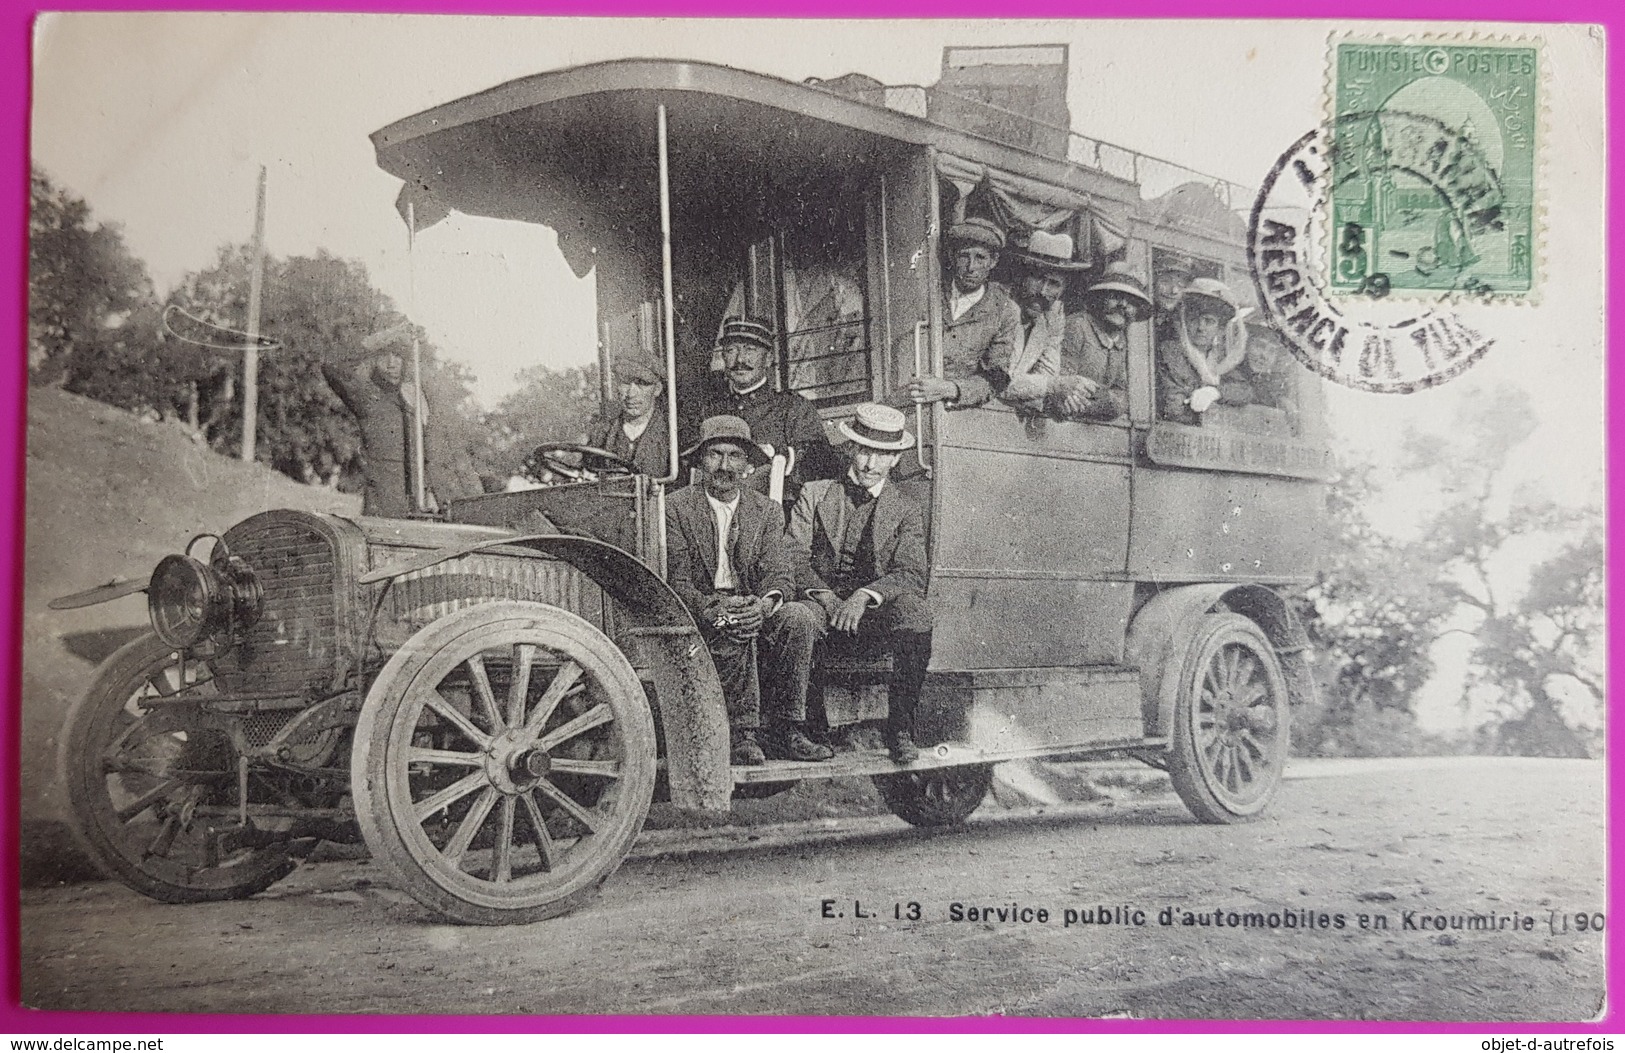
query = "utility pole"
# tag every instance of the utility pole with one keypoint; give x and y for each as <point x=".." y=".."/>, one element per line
<point x="251" y="352"/>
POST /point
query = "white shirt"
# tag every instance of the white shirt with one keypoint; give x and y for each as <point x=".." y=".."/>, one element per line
<point x="959" y="302"/>
<point x="723" y="512"/>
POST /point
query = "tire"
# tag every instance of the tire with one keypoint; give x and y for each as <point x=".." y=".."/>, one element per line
<point x="486" y="814"/>
<point x="1231" y="722"/>
<point x="135" y="772"/>
<point x="936" y="796"/>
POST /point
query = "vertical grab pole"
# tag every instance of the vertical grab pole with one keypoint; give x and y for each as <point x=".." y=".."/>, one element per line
<point x="670" y="335"/>
<point x="919" y="408"/>
<point x="420" y="400"/>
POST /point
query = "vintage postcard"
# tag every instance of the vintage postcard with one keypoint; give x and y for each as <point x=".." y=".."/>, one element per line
<point x="819" y="519"/>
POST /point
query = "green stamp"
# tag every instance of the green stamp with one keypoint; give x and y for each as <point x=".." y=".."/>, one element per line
<point x="1433" y="169"/>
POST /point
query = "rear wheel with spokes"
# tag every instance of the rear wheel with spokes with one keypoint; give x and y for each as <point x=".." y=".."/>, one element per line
<point x="1231" y="723"/>
<point x="504" y="763"/>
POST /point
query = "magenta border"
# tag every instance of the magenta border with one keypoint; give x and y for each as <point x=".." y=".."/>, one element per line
<point x="16" y="18"/>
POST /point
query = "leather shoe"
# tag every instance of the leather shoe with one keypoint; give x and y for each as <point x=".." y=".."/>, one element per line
<point x="792" y="743"/>
<point x="900" y="745"/>
<point x="746" y="753"/>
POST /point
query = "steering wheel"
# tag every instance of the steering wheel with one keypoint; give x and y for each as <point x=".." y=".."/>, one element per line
<point x="594" y="462"/>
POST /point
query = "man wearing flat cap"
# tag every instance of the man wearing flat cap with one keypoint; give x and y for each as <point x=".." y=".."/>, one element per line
<point x="859" y="549"/>
<point x="1197" y="359"/>
<point x="634" y="429"/>
<point x="981" y="327"/>
<point x="781" y="422"/>
<point x="728" y="560"/>
<point x="1094" y="351"/>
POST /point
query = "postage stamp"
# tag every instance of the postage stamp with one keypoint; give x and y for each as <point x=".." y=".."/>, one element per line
<point x="1434" y="161"/>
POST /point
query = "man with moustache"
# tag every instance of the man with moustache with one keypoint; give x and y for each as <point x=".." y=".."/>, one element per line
<point x="859" y="549"/>
<point x="781" y="422"/>
<point x="1094" y="351"/>
<point x="981" y="327"/>
<point x="1046" y="265"/>
<point x="727" y="558"/>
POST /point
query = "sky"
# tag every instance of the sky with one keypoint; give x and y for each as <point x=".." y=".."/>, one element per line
<point x="161" y="123"/>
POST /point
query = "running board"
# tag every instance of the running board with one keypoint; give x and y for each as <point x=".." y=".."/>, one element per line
<point x="857" y="763"/>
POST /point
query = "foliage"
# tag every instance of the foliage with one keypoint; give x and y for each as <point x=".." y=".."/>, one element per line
<point x="1382" y="603"/>
<point x="320" y="307"/>
<point x="1371" y="617"/>
<point x="92" y="313"/>
<point x="557" y="405"/>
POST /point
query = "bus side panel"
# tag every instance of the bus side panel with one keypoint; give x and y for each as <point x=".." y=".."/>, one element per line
<point x="1031" y="541"/>
<point x="1223" y="526"/>
<point x="988" y="622"/>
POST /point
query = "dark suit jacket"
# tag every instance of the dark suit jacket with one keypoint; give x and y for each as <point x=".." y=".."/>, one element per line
<point x="756" y="546"/>
<point x="818" y="521"/>
<point x="648" y="454"/>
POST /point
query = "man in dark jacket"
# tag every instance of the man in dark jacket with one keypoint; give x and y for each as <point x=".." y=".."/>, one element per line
<point x="860" y="555"/>
<point x="782" y="422"/>
<point x="372" y="386"/>
<point x="634" y="429"/>
<point x="728" y="560"/>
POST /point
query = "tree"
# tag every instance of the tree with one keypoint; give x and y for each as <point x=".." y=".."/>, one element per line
<point x="320" y="308"/>
<point x="92" y="313"/>
<point x="1371" y="616"/>
<point x="550" y="405"/>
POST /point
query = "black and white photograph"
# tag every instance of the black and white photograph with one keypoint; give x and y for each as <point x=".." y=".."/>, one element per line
<point x="680" y="518"/>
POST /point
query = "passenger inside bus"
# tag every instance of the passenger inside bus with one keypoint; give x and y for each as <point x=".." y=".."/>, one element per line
<point x="1094" y="353"/>
<point x="1042" y="268"/>
<point x="981" y="328"/>
<point x="1199" y="355"/>
<point x="784" y="424"/>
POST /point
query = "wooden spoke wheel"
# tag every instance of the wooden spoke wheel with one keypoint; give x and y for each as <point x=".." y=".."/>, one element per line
<point x="144" y="773"/>
<point x="504" y="763"/>
<point x="936" y="796"/>
<point x="1231" y="723"/>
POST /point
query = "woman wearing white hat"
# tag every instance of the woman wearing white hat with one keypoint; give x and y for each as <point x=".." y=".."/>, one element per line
<point x="1194" y="361"/>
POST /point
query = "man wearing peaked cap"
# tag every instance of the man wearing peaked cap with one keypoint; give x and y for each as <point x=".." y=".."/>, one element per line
<point x="728" y="560"/>
<point x="635" y="429"/>
<point x="859" y="550"/>
<point x="782" y="422"/>
<point x="981" y="326"/>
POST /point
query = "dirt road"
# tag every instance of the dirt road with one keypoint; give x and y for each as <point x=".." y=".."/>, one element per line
<point x="736" y="920"/>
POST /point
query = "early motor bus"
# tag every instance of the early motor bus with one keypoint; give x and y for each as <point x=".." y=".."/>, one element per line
<point x="492" y="696"/>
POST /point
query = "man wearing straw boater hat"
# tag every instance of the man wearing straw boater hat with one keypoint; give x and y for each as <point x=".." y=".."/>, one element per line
<point x="782" y="422"/>
<point x="728" y="559"/>
<point x="1045" y="266"/>
<point x="1197" y="360"/>
<point x="981" y="325"/>
<point x="859" y="547"/>
<point x="1094" y="353"/>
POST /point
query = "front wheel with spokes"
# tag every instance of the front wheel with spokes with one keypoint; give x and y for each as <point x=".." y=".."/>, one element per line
<point x="1231" y="722"/>
<point x="147" y="774"/>
<point x="504" y="763"/>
